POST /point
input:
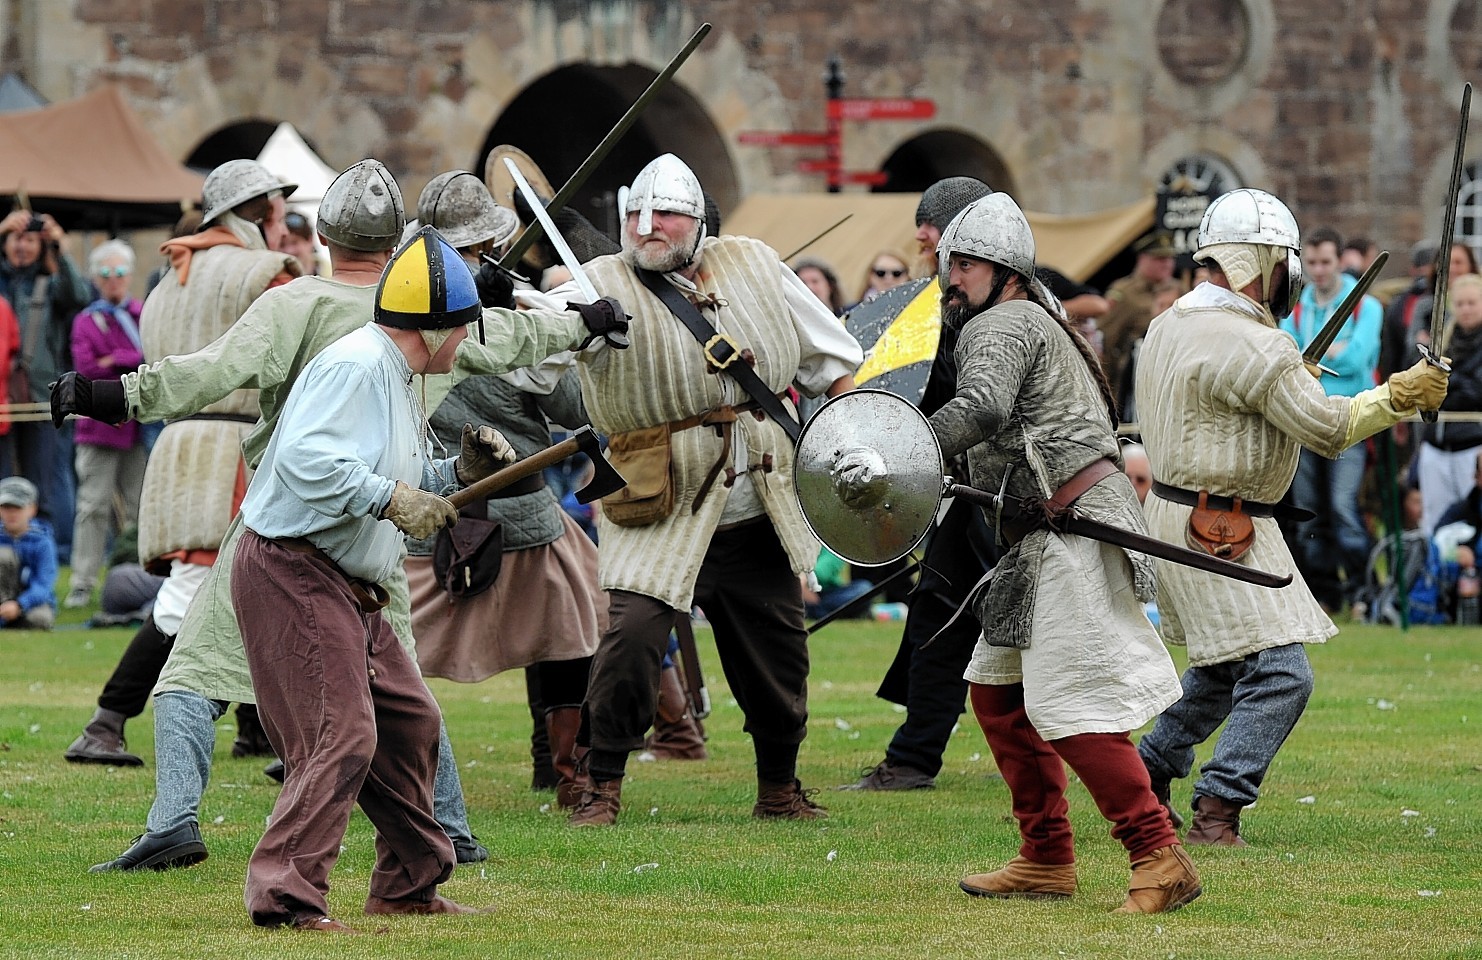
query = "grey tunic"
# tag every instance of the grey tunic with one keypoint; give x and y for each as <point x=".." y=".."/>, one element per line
<point x="1064" y="613"/>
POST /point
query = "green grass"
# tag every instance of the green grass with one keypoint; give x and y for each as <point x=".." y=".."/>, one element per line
<point x="1395" y="725"/>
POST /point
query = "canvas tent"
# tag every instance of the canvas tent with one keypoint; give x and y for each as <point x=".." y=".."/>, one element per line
<point x="287" y="156"/>
<point x="91" y="163"/>
<point x="1075" y="245"/>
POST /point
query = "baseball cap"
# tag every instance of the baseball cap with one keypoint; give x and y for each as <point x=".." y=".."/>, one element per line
<point x="17" y="492"/>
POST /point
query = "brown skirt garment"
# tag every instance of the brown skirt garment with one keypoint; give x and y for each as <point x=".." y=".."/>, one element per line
<point x="545" y="606"/>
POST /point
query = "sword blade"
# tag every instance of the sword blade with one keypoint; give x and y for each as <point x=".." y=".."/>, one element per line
<point x="563" y="196"/>
<point x="1329" y="332"/>
<point x="1126" y="539"/>
<point x="1448" y="226"/>
<point x="817" y="238"/>
<point x="559" y="242"/>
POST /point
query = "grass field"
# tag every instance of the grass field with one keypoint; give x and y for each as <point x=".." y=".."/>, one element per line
<point x="1367" y="841"/>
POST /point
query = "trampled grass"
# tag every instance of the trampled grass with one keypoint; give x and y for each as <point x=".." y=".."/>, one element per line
<point x="1367" y="841"/>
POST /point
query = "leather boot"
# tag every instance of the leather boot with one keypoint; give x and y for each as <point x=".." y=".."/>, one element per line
<point x="599" y="804"/>
<point x="252" y="739"/>
<point x="181" y="847"/>
<point x="1161" y="881"/>
<point x="562" y="724"/>
<point x="102" y="741"/>
<point x="543" y="774"/>
<point x="1025" y="879"/>
<point x="786" y="801"/>
<point x="1162" y="790"/>
<point x="1216" y="824"/>
<point x="677" y="735"/>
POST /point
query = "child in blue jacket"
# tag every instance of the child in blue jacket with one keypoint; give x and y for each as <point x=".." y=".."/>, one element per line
<point x="28" y="560"/>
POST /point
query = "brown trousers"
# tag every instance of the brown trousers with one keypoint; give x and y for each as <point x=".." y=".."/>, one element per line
<point x="346" y="709"/>
<point x="1034" y="770"/>
<point x="755" y="606"/>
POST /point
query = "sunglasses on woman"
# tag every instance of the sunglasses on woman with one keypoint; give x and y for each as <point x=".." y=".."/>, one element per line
<point x="106" y="272"/>
<point x="882" y="274"/>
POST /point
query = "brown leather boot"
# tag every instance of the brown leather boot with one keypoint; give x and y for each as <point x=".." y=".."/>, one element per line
<point x="677" y="735"/>
<point x="786" y="801"/>
<point x="599" y="804"/>
<point x="1161" y="881"/>
<point x="1023" y="878"/>
<point x="1163" y="792"/>
<point x="252" y="739"/>
<point x="562" y="724"/>
<point x="1216" y="824"/>
<point x="102" y="741"/>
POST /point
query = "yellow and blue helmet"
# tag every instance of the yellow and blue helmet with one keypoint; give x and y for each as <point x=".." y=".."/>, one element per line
<point x="427" y="286"/>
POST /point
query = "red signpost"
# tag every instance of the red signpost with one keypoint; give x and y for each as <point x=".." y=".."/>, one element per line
<point x="841" y="109"/>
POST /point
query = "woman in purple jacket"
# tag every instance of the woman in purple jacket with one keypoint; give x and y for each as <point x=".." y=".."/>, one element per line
<point x="105" y="346"/>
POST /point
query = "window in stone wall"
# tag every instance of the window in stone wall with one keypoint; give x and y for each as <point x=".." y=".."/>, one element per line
<point x="1469" y="205"/>
<point x="1203" y="42"/>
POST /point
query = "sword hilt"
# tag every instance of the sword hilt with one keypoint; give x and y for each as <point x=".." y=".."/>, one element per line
<point x="1432" y="358"/>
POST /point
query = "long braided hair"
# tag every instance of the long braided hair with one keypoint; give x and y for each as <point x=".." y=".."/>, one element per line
<point x="1032" y="291"/>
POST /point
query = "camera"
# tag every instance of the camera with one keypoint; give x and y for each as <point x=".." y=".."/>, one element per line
<point x="35" y="224"/>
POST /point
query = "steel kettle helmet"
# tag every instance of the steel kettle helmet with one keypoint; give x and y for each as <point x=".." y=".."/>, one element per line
<point x="362" y="209"/>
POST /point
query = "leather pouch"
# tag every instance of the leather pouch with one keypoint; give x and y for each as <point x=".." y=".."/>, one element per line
<point x="1226" y="534"/>
<point x="466" y="557"/>
<point x="643" y="458"/>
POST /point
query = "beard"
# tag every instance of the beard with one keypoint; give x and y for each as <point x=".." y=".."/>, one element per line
<point x="672" y="255"/>
<point x="956" y="309"/>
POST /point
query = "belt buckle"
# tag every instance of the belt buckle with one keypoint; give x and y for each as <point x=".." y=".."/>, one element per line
<point x="719" y="340"/>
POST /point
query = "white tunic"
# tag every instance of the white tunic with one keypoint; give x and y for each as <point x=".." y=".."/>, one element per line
<point x="1225" y="405"/>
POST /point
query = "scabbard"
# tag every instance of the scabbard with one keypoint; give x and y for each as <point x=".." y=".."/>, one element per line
<point x="1072" y="522"/>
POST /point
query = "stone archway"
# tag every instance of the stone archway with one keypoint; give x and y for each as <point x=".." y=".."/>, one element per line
<point x="928" y="157"/>
<point x="242" y="140"/>
<point x="588" y="100"/>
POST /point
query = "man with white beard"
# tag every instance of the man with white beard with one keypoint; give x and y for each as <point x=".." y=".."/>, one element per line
<point x="709" y="514"/>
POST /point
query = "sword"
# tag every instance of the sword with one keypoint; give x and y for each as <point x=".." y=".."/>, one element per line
<point x="1325" y="337"/>
<point x="1437" y="348"/>
<point x="543" y="217"/>
<point x="817" y="238"/>
<point x="563" y="196"/>
<point x="1072" y="522"/>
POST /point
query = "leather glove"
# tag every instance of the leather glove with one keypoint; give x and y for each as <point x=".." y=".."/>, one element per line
<point x="1422" y="387"/>
<point x="484" y="451"/>
<point x="100" y="399"/>
<point x="496" y="287"/>
<point x="417" y="513"/>
<point x="860" y="476"/>
<point x="604" y="319"/>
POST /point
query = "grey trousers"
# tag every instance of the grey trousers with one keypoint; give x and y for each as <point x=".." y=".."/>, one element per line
<point x="1262" y="696"/>
<point x="102" y="472"/>
<point x="185" y="734"/>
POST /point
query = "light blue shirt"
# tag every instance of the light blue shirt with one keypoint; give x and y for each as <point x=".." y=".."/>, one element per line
<point x="351" y="428"/>
<point x="1355" y="353"/>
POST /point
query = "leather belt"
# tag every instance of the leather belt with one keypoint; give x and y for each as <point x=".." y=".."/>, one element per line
<point x="1062" y="499"/>
<point x="531" y="484"/>
<point x="370" y="597"/>
<point x="722" y="418"/>
<point x="1251" y="508"/>
<point x="229" y="417"/>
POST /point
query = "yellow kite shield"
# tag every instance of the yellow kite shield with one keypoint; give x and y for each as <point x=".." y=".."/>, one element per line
<point x="899" y="331"/>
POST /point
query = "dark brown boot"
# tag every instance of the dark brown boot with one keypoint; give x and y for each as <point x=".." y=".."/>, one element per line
<point x="1216" y="824"/>
<point x="102" y="741"/>
<point x="562" y="724"/>
<point x="599" y="804"/>
<point x="677" y="735"/>
<point x="1163" y="792"/>
<point x="786" y="801"/>
<point x="252" y="739"/>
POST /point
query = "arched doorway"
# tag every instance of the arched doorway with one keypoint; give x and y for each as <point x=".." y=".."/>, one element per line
<point x="928" y="157"/>
<point x="242" y="140"/>
<point x="561" y="117"/>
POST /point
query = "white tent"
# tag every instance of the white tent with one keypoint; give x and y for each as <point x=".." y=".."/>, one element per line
<point x="289" y="157"/>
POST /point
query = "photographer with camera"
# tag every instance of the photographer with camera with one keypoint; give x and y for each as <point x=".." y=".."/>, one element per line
<point x="46" y="290"/>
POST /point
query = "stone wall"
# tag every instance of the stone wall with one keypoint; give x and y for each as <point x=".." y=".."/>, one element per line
<point x="1346" y="110"/>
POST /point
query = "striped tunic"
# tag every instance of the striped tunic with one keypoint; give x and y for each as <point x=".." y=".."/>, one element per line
<point x="663" y="377"/>
<point x="1225" y="405"/>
